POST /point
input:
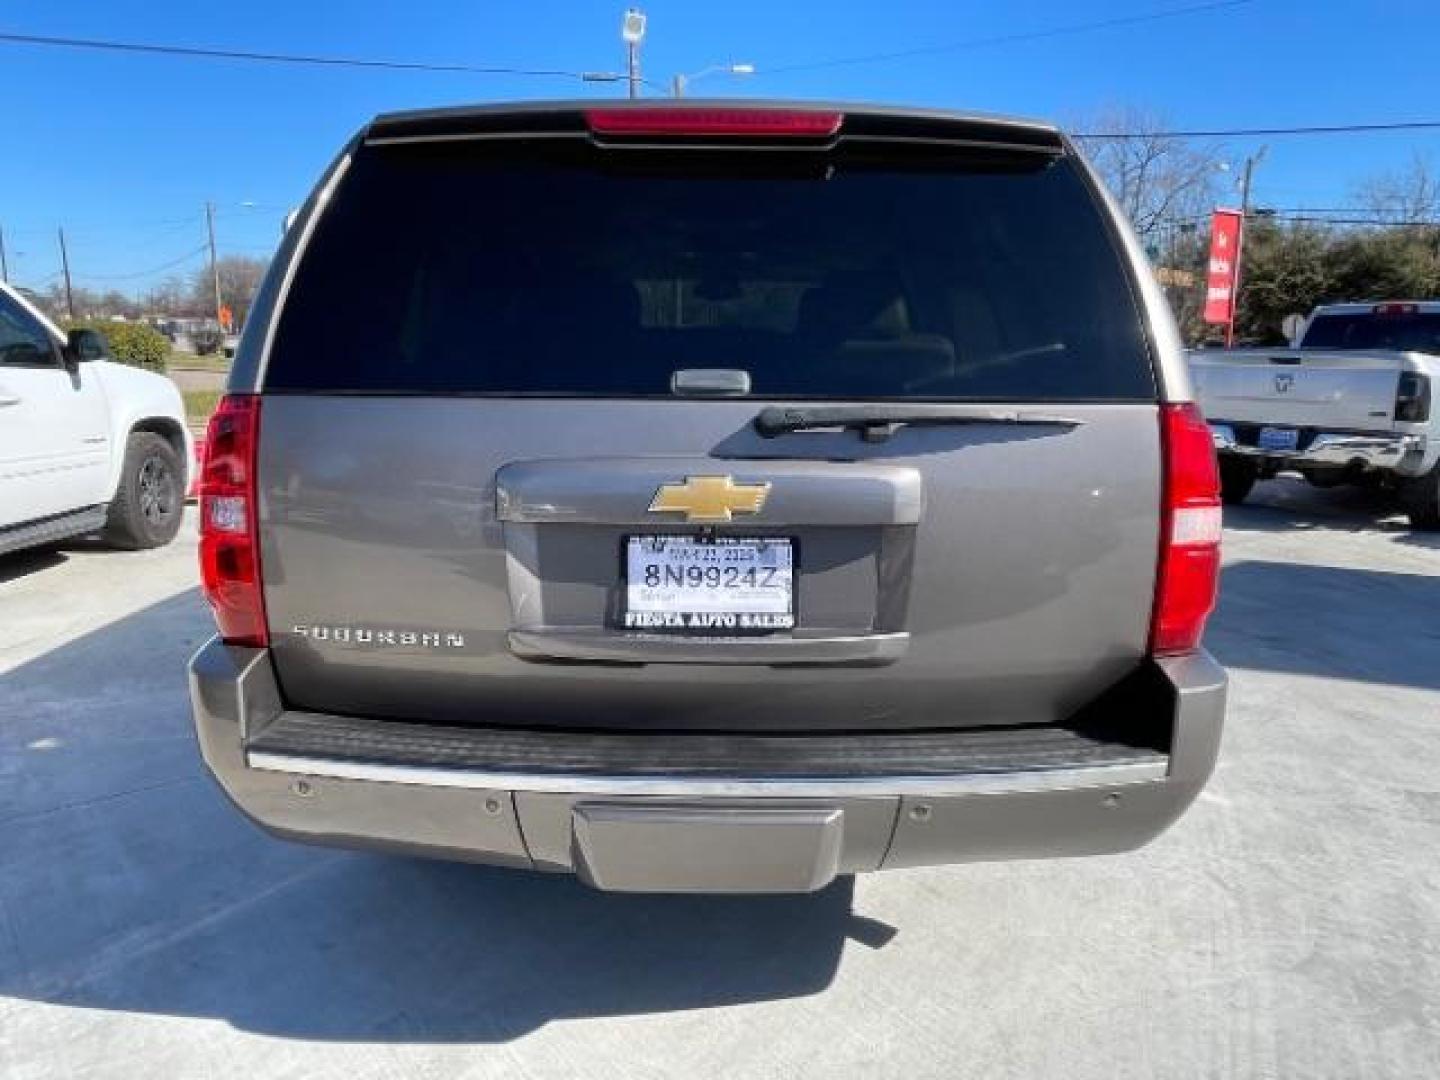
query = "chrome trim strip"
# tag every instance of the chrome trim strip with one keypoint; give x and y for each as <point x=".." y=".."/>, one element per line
<point x="997" y="783"/>
<point x="638" y="647"/>
<point x="1379" y="450"/>
<point x="277" y="311"/>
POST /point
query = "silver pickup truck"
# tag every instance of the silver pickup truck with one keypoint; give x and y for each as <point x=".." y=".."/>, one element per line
<point x="1352" y="403"/>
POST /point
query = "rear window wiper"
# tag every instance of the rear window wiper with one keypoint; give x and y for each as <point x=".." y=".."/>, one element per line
<point x="877" y="423"/>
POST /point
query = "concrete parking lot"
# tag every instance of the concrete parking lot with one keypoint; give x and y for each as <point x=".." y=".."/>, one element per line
<point x="1288" y="926"/>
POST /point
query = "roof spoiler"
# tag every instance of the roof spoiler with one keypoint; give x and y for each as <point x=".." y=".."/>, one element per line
<point x="651" y="122"/>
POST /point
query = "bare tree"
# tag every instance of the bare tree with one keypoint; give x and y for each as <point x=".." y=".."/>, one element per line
<point x="87" y="304"/>
<point x="1159" y="180"/>
<point x="1410" y="195"/>
<point x="239" y="278"/>
<point x="170" y="297"/>
<point x="116" y="303"/>
<point x="1167" y="187"/>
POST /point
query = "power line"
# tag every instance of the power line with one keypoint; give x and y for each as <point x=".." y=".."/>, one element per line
<point x="1270" y="210"/>
<point x="162" y="226"/>
<point x="206" y="52"/>
<point x="153" y="270"/>
<point x="1238" y="133"/>
<point x="1007" y="39"/>
<point x="209" y="53"/>
<point x="1264" y="213"/>
<point x="1329" y="210"/>
<point x="1353" y="215"/>
<point x="1377" y="223"/>
<point x="252" y="208"/>
<point x="105" y="235"/>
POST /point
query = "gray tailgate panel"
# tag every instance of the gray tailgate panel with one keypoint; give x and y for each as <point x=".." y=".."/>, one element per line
<point x="1024" y="586"/>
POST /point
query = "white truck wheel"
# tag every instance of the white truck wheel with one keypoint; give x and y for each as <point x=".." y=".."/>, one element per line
<point x="150" y="500"/>
<point x="1420" y="496"/>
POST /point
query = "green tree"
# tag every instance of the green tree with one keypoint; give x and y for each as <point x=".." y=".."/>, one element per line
<point x="1388" y="263"/>
<point x="1288" y="268"/>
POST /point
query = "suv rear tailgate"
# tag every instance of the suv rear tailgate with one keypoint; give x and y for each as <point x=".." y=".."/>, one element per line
<point x="471" y="444"/>
<point x="1019" y="590"/>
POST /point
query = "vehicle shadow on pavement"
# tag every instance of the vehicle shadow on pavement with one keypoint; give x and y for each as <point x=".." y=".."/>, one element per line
<point x="20" y="564"/>
<point x="128" y="883"/>
<point x="1287" y="504"/>
<point x="1337" y="622"/>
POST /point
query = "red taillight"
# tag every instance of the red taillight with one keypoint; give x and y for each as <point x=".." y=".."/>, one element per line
<point x="1189" y="569"/>
<point x="708" y="121"/>
<point x="1393" y="309"/>
<point x="229" y="551"/>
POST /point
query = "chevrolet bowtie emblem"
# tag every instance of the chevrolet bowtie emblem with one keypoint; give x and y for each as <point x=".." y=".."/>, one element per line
<point x="709" y="498"/>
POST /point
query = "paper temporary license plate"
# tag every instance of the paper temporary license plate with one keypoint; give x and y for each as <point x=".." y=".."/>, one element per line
<point x="1278" y="438"/>
<point x="725" y="584"/>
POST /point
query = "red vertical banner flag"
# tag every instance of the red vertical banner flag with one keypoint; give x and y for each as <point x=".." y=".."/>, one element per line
<point x="1224" y="270"/>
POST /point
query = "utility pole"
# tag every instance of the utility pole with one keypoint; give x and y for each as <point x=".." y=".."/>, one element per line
<point x="677" y="86"/>
<point x="65" y="265"/>
<point x="1250" y="163"/>
<point x="632" y="32"/>
<point x="214" y="262"/>
<point x="4" y="263"/>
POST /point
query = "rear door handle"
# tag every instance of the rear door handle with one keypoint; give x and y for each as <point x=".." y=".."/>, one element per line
<point x="7" y="398"/>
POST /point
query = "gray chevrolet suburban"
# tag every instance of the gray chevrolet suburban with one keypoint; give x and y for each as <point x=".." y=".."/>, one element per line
<point x="709" y="496"/>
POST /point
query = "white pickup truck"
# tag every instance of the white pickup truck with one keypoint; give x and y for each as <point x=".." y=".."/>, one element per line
<point x="86" y="445"/>
<point x="1351" y="403"/>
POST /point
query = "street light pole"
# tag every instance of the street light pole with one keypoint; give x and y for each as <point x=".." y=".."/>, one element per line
<point x="679" y="83"/>
<point x="1250" y="163"/>
<point x="632" y="32"/>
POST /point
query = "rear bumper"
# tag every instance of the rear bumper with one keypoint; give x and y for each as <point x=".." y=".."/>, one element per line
<point x="692" y="818"/>
<point x="1391" y="451"/>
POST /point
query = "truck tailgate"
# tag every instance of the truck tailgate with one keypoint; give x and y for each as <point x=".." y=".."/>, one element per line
<point x="1331" y="390"/>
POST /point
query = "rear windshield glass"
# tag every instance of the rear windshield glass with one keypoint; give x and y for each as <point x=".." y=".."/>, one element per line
<point x="458" y="268"/>
<point x="1419" y="332"/>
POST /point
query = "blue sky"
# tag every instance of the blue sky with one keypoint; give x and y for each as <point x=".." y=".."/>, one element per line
<point x="124" y="150"/>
